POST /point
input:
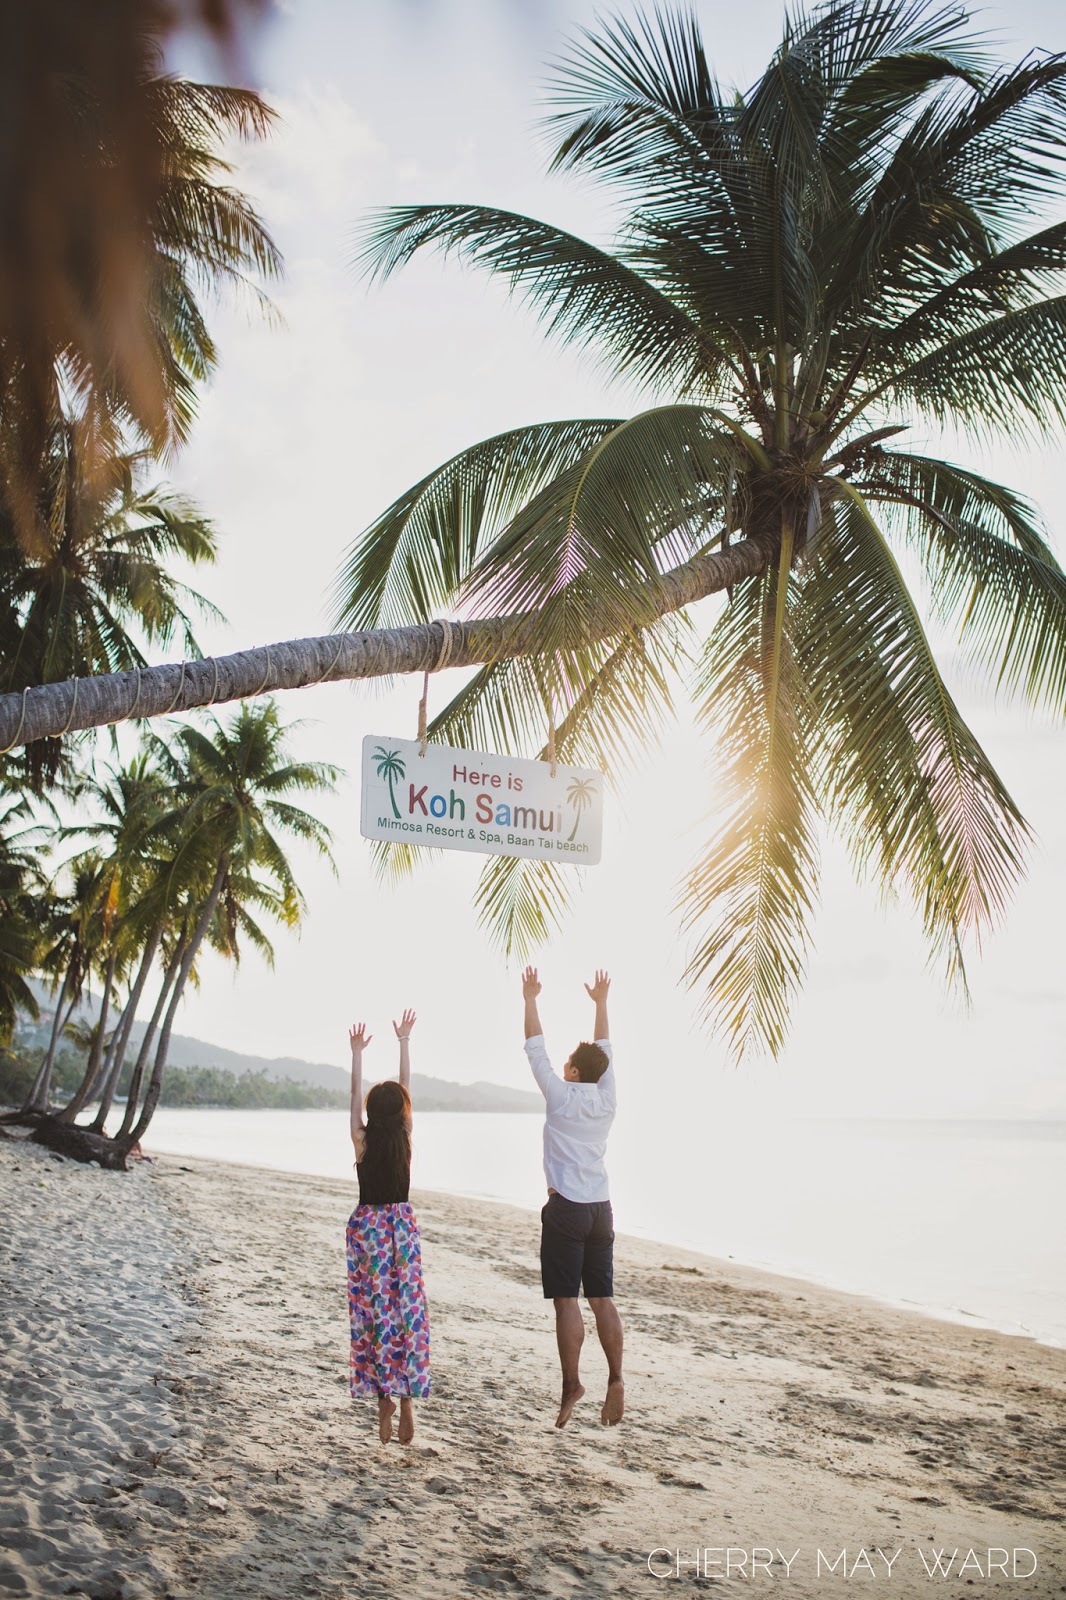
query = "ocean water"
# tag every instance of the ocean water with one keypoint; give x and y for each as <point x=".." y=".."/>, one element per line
<point x="962" y="1220"/>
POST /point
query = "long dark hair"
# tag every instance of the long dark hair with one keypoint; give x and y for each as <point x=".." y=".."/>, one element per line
<point x="386" y="1163"/>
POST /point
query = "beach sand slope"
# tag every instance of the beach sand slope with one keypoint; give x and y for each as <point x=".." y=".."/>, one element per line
<point x="178" y="1422"/>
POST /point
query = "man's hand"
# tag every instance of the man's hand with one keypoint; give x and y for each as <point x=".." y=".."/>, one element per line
<point x="530" y="991"/>
<point x="358" y="1037"/>
<point x="597" y="991"/>
<point x="402" y="1029"/>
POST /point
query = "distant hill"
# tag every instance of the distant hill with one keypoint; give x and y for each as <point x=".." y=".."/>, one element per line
<point x="429" y="1093"/>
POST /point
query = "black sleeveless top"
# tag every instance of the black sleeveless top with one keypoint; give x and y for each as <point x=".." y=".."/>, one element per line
<point x="381" y="1194"/>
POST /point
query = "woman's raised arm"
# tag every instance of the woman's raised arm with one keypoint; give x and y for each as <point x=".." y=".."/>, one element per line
<point x="359" y="1039"/>
<point x="403" y="1033"/>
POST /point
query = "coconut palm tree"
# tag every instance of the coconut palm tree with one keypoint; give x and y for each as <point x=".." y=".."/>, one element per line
<point x="118" y="214"/>
<point x="807" y="268"/>
<point x="97" y="570"/>
<point x="70" y="945"/>
<point x="233" y="785"/>
<point x="199" y="824"/>
<point x="23" y="916"/>
<point x="19" y="948"/>
<point x="126" y="802"/>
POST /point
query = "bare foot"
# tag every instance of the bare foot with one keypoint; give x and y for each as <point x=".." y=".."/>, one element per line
<point x="569" y="1401"/>
<point x="407" y="1422"/>
<point x="386" y="1407"/>
<point x="615" y="1403"/>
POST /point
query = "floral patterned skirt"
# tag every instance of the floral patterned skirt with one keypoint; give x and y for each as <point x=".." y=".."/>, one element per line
<point x="387" y="1303"/>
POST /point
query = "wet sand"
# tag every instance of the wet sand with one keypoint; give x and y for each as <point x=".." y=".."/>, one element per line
<point x="176" y="1418"/>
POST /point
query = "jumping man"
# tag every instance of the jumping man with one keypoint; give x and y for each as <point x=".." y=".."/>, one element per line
<point x="577" y="1225"/>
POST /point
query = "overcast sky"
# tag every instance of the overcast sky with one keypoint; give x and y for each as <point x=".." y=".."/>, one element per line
<point x="307" y="432"/>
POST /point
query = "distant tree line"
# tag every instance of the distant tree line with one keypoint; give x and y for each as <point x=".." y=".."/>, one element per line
<point x="250" y="1091"/>
<point x="214" y="1087"/>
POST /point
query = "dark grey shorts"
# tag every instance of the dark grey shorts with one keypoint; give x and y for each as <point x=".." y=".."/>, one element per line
<point x="576" y="1249"/>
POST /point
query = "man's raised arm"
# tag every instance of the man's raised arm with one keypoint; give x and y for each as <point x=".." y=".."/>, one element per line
<point x="597" y="991"/>
<point x="552" y="1088"/>
<point x="530" y="991"/>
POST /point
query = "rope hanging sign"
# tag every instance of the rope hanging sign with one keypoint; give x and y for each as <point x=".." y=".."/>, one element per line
<point x="487" y="804"/>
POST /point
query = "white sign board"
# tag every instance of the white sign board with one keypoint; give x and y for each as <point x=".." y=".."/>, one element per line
<point x="468" y="800"/>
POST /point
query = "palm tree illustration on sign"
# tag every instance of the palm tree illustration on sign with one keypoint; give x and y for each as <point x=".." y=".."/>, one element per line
<point x="389" y="766"/>
<point x="580" y="793"/>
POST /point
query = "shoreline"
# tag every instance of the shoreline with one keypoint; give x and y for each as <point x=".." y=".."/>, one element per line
<point x="955" y="1315"/>
<point x="762" y="1412"/>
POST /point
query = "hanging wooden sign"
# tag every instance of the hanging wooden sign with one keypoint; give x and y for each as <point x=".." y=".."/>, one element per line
<point x="471" y="800"/>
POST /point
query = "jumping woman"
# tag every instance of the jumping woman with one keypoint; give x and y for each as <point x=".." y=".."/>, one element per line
<point x="386" y="1295"/>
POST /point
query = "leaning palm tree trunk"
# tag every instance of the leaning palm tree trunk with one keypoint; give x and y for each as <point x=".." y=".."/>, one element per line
<point x="32" y="1100"/>
<point x="155" y="1083"/>
<point x="38" y="1097"/>
<point x="133" y="1092"/>
<point x="111" y="1069"/>
<point x="84" y="1091"/>
<point x="117" y="1055"/>
<point x="57" y="708"/>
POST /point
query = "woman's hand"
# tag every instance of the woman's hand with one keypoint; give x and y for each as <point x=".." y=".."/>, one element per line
<point x="358" y="1038"/>
<point x="403" y="1028"/>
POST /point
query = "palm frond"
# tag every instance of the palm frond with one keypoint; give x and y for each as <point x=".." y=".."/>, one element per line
<point x="607" y="704"/>
<point x="1008" y="373"/>
<point x="584" y="295"/>
<point x="193" y="117"/>
<point x="394" y="861"/>
<point x="182" y="329"/>
<point x="639" y="106"/>
<point x="944" y="197"/>
<point x="643" y="498"/>
<point x="751" y="895"/>
<point x="613" y="719"/>
<point x="880" y="61"/>
<point x="909" y="786"/>
<point x="216" y="230"/>
<point x="989" y="567"/>
<point x="417" y="555"/>
<point x="520" y="901"/>
<point x="1007" y="281"/>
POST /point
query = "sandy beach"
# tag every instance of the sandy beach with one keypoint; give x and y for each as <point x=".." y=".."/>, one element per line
<point x="176" y="1419"/>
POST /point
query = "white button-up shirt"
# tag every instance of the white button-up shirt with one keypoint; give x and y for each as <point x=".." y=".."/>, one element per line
<point x="576" y="1125"/>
